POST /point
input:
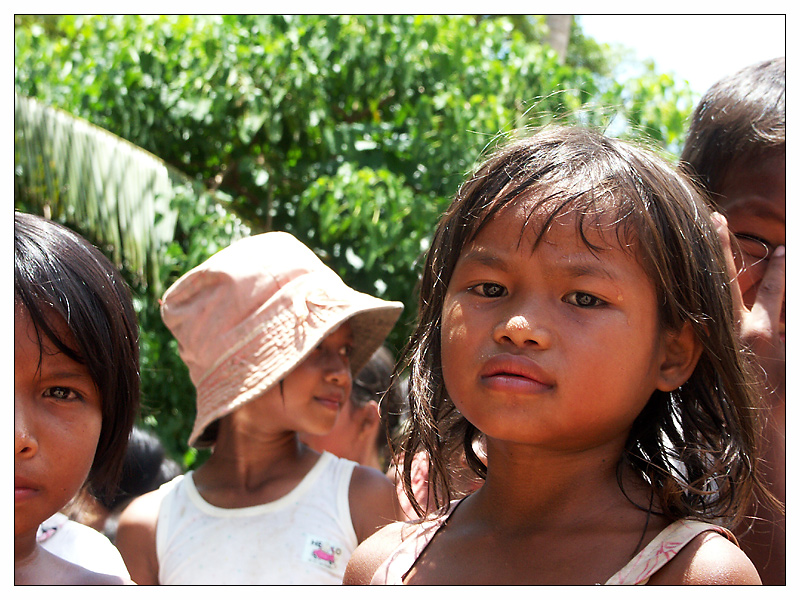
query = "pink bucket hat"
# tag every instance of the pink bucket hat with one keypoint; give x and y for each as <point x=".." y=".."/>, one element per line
<point x="252" y="312"/>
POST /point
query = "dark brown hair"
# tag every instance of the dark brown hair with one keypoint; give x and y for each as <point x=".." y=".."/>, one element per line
<point x="740" y="118"/>
<point x="695" y="446"/>
<point x="374" y="382"/>
<point x="57" y="270"/>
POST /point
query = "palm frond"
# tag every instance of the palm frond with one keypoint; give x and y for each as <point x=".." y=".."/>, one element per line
<point x="118" y="194"/>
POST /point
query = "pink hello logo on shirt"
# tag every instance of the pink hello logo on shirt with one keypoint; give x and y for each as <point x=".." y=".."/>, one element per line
<point x="321" y="552"/>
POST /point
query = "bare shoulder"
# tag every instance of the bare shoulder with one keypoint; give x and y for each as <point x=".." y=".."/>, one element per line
<point x="709" y="559"/>
<point x="142" y="511"/>
<point x="136" y="537"/>
<point x="92" y="578"/>
<point x="368" y="477"/>
<point x="72" y="574"/>
<point x="371" y="553"/>
<point x="46" y="568"/>
<point x="373" y="501"/>
<point x="78" y="575"/>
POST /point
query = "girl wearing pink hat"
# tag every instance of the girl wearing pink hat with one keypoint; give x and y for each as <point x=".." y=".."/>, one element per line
<point x="271" y="337"/>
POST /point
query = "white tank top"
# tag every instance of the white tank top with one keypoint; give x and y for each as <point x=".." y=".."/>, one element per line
<point x="304" y="538"/>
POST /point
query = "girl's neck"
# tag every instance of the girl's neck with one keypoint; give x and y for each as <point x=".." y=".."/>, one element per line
<point x="246" y="471"/>
<point x="247" y="438"/>
<point x="30" y="563"/>
<point x="533" y="488"/>
<point x="25" y="548"/>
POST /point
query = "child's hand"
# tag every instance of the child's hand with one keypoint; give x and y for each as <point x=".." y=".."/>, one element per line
<point x="760" y="326"/>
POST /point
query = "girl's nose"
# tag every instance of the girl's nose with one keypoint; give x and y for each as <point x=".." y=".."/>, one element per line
<point x="337" y="369"/>
<point x="523" y="330"/>
<point x="25" y="443"/>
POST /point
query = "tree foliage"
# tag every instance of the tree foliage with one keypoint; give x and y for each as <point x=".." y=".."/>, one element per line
<point x="351" y="132"/>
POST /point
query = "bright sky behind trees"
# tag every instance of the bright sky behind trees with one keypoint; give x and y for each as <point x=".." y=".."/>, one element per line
<point x="699" y="48"/>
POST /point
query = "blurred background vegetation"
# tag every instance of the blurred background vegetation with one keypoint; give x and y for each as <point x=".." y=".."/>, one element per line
<point x="164" y="138"/>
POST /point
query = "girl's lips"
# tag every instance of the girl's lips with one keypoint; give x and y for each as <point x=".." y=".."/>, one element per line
<point x="21" y="494"/>
<point x="329" y="402"/>
<point x="516" y="374"/>
<point x="23" y="489"/>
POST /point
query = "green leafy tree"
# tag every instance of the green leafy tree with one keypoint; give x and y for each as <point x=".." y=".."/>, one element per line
<point x="352" y="132"/>
<point x="153" y="222"/>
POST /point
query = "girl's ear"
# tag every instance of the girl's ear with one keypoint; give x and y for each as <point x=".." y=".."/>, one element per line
<point x="370" y="415"/>
<point x="681" y="352"/>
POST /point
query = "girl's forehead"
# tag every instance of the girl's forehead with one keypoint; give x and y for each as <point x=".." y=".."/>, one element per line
<point x="530" y="223"/>
<point x="52" y="319"/>
<point x="343" y="331"/>
<point x="513" y="244"/>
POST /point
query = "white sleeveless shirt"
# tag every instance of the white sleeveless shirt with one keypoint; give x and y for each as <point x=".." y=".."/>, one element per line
<point x="304" y="538"/>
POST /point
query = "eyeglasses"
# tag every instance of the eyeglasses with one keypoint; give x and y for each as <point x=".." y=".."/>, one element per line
<point x="751" y="247"/>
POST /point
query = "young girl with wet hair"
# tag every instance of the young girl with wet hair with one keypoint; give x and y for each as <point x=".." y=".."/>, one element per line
<point x="76" y="386"/>
<point x="575" y="311"/>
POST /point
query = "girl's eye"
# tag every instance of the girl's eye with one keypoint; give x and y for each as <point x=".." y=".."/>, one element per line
<point x="489" y="290"/>
<point x="346" y="351"/>
<point x="62" y="393"/>
<point x="583" y="299"/>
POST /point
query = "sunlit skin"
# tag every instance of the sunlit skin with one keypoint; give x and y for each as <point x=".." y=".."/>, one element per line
<point x="57" y="423"/>
<point x="557" y="347"/>
<point x="552" y="353"/>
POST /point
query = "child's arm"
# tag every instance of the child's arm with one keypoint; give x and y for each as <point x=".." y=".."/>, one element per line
<point x="136" y="538"/>
<point x="709" y="559"/>
<point x="373" y="501"/>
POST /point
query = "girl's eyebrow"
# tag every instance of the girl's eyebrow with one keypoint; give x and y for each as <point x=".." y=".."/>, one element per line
<point x="582" y="268"/>
<point x="76" y="374"/>
<point x="571" y="265"/>
<point x="60" y="366"/>
<point x="757" y="207"/>
<point x="484" y="257"/>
